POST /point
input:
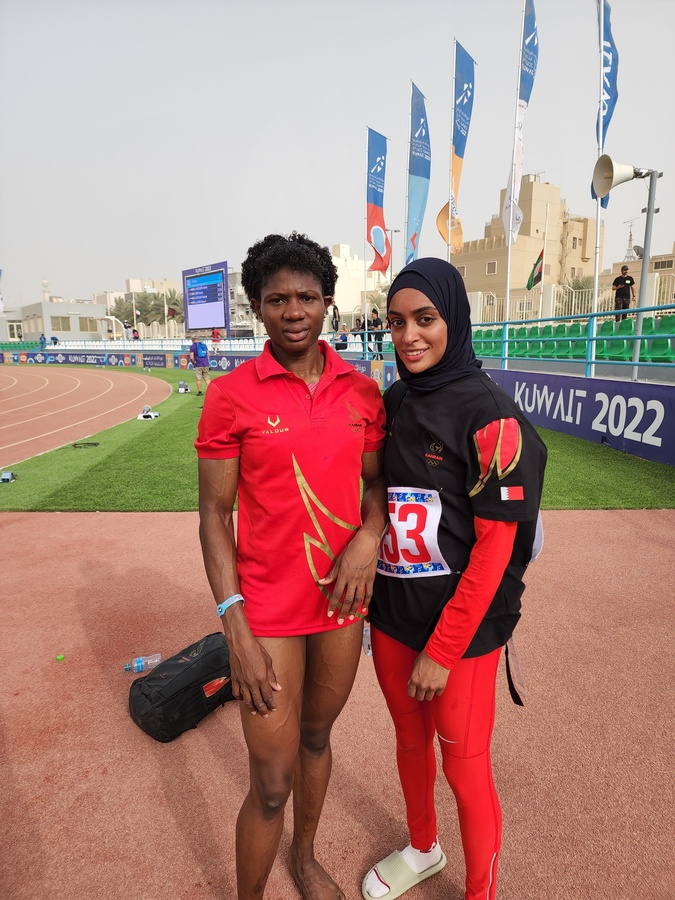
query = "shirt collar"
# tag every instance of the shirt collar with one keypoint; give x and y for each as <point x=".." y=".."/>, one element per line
<point x="267" y="366"/>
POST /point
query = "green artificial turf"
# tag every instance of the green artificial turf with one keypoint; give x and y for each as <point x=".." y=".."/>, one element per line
<point x="148" y="465"/>
<point x="151" y="466"/>
<point x="583" y="475"/>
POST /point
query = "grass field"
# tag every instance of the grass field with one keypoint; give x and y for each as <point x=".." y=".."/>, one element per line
<point x="151" y="466"/>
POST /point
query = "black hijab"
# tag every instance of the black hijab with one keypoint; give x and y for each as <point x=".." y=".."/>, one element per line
<point x="443" y="285"/>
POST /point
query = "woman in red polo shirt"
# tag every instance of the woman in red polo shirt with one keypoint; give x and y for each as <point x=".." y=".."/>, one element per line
<point x="294" y="585"/>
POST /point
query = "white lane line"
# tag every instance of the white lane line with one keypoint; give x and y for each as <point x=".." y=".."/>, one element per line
<point x="75" y="424"/>
<point x="56" y="412"/>
<point x="13" y="382"/>
<point x="38" y="402"/>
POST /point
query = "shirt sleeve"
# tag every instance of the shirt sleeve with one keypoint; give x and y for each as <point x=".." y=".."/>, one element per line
<point x="477" y="587"/>
<point x="375" y="422"/>
<point x="503" y="472"/>
<point x="217" y="436"/>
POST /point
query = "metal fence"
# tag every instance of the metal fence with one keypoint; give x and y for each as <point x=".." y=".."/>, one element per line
<point x="526" y="305"/>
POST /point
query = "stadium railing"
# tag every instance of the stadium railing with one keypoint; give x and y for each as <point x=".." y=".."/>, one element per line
<point x="583" y="340"/>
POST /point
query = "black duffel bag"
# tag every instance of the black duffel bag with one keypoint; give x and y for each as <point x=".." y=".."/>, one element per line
<point x="179" y="692"/>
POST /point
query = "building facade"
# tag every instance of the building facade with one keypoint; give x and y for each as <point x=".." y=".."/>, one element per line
<point x="66" y="320"/>
<point x="568" y="243"/>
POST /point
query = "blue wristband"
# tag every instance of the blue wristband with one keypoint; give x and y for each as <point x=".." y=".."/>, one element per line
<point x="226" y="604"/>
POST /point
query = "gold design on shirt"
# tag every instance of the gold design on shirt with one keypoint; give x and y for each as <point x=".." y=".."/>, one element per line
<point x="498" y="446"/>
<point x="312" y="504"/>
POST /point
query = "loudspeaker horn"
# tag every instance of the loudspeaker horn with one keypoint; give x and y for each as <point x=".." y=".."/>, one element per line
<point x="607" y="174"/>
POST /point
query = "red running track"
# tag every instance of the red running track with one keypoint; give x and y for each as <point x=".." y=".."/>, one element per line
<point x="45" y="408"/>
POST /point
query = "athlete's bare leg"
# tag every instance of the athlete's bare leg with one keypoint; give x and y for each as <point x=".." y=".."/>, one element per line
<point x="273" y="750"/>
<point x="332" y="660"/>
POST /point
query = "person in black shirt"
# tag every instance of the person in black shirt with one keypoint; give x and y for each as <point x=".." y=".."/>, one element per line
<point x="376" y="339"/>
<point x="464" y="470"/>
<point x="358" y="329"/>
<point x="624" y="288"/>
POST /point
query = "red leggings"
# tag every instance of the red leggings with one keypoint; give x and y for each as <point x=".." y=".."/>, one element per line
<point x="463" y="716"/>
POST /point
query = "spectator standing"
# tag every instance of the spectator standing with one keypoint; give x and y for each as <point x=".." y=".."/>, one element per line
<point x="43" y="342"/>
<point x="199" y="357"/>
<point x="376" y="340"/>
<point x="358" y="329"/>
<point x="333" y="316"/>
<point x="624" y="288"/>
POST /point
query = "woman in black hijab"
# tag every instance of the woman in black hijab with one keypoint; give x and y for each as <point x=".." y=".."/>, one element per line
<point x="464" y="470"/>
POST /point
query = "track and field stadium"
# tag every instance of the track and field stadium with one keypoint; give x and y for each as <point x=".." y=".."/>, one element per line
<point x="92" y="807"/>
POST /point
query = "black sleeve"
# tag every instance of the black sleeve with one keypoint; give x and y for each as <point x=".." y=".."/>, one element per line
<point x="505" y="471"/>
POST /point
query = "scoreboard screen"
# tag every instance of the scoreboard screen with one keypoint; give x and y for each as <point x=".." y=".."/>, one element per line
<point x="206" y="297"/>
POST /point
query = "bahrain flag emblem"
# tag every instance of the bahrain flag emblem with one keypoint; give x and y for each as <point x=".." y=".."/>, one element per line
<point x="498" y="447"/>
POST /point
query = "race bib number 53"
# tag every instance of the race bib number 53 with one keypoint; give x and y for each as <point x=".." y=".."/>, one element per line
<point x="409" y="547"/>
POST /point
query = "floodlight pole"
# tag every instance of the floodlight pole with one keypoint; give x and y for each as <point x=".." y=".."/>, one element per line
<point x="653" y="178"/>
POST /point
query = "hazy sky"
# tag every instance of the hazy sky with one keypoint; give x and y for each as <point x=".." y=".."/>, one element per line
<point x="146" y="137"/>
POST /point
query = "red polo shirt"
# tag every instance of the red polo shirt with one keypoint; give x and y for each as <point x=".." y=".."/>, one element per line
<point x="299" y="479"/>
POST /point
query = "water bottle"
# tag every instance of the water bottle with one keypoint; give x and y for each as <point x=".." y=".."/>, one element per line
<point x="365" y="643"/>
<point x="142" y="663"/>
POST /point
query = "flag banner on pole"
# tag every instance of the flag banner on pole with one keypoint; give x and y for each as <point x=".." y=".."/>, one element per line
<point x="537" y="271"/>
<point x="610" y="89"/>
<point x="464" y="91"/>
<point x="512" y="215"/>
<point x="419" y="173"/>
<point x="377" y="233"/>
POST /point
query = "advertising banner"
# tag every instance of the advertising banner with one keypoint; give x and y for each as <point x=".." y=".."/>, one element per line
<point x="377" y="232"/>
<point x="610" y="88"/>
<point x="512" y="215"/>
<point x="464" y="94"/>
<point x="630" y="416"/>
<point x="419" y="173"/>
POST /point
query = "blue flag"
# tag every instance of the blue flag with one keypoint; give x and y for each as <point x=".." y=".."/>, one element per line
<point x="530" y="53"/>
<point x="610" y="90"/>
<point x="447" y="221"/>
<point x="419" y="173"/>
<point x="377" y="231"/>
<point x="512" y="216"/>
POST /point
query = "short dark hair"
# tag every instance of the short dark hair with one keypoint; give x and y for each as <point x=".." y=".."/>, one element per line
<point x="296" y="252"/>
<point x="624" y="268"/>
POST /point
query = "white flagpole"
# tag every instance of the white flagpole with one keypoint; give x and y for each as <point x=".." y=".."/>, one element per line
<point x="364" y="305"/>
<point x="507" y="302"/>
<point x="596" y="255"/>
<point x="407" y="180"/>
<point x="452" y="144"/>
<point x="543" y="265"/>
